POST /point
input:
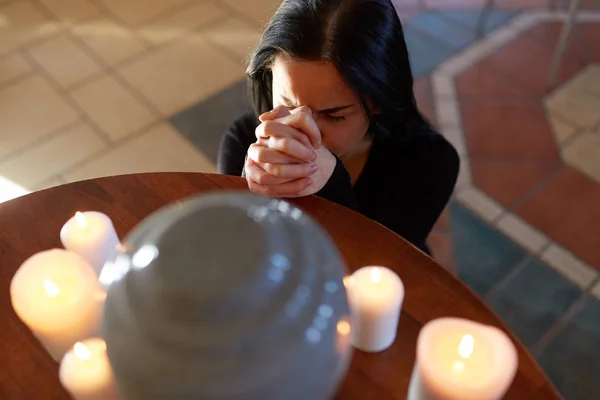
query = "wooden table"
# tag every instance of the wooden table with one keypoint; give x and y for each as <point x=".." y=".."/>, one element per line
<point x="32" y="223"/>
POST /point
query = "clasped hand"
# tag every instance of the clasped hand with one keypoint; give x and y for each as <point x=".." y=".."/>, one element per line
<point x="288" y="158"/>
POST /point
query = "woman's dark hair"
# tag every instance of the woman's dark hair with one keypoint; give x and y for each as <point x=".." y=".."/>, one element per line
<point x="363" y="38"/>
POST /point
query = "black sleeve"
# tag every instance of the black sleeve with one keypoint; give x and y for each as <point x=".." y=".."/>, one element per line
<point x="339" y="187"/>
<point x="234" y="144"/>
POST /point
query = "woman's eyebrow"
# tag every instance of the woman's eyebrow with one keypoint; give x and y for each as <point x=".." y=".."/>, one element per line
<point x="332" y="110"/>
<point x="335" y="109"/>
<point x="287" y="101"/>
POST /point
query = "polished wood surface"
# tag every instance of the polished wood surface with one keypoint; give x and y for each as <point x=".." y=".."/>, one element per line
<point x="32" y="223"/>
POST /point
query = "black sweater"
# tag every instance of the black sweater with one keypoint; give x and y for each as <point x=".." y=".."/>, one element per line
<point x="405" y="183"/>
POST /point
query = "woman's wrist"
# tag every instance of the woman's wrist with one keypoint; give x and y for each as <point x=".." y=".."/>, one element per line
<point x="326" y="164"/>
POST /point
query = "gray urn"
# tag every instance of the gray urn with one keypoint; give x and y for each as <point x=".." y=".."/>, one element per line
<point x="228" y="296"/>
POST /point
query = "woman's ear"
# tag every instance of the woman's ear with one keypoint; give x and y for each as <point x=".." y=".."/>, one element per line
<point x="373" y="109"/>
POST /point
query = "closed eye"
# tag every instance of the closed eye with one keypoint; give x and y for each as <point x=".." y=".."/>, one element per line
<point x="334" y="118"/>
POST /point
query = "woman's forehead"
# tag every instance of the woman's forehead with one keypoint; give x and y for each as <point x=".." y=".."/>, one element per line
<point x="317" y="83"/>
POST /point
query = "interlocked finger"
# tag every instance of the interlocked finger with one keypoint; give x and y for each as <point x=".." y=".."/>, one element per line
<point x="289" y="171"/>
<point x="289" y="189"/>
<point x="260" y="153"/>
<point x="275" y="128"/>
<point x="290" y="147"/>
<point x="259" y="176"/>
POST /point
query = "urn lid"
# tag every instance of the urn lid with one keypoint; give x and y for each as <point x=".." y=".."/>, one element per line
<point x="227" y="296"/>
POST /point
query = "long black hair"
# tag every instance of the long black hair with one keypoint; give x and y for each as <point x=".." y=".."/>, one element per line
<point x="365" y="41"/>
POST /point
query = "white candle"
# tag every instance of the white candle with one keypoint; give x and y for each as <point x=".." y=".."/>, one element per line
<point x="458" y="359"/>
<point x="85" y="372"/>
<point x="57" y="295"/>
<point x="375" y="295"/>
<point x="92" y="235"/>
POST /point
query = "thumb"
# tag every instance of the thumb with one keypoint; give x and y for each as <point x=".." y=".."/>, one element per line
<point x="277" y="112"/>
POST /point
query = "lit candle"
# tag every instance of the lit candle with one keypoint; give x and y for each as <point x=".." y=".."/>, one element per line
<point x="85" y="372"/>
<point x="92" y="235"/>
<point x="57" y="295"/>
<point x="375" y="295"/>
<point x="458" y="359"/>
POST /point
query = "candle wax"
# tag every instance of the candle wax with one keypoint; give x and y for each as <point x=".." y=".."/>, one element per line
<point x="57" y="295"/>
<point x="92" y="235"/>
<point x="375" y="295"/>
<point x="462" y="360"/>
<point x="85" y="372"/>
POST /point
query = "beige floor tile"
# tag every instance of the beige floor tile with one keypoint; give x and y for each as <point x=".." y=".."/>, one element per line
<point x="236" y="36"/>
<point x="113" y="42"/>
<point x="578" y="100"/>
<point x="10" y="190"/>
<point x="259" y="10"/>
<point x="29" y="110"/>
<point x="71" y="10"/>
<point x="160" y="150"/>
<point x="64" y="60"/>
<point x="596" y="290"/>
<point x="50" y="183"/>
<point x="13" y="67"/>
<point x="576" y="105"/>
<point x="178" y="76"/>
<point x="180" y="22"/>
<point x="590" y="79"/>
<point x="136" y="11"/>
<point x="562" y="131"/>
<point x="584" y="154"/>
<point x="40" y="163"/>
<point x="20" y="23"/>
<point x="115" y="110"/>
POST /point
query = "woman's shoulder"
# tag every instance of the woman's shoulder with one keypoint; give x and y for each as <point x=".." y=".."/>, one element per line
<point x="423" y="145"/>
<point x="243" y="127"/>
<point x="418" y="136"/>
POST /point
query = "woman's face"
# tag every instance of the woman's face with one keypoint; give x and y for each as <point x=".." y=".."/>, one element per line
<point x="336" y="109"/>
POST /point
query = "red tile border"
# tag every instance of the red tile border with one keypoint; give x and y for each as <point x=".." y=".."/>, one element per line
<point x="481" y="80"/>
<point x="513" y="156"/>
<point x="547" y="34"/>
<point x="590" y="33"/>
<point x="591" y="5"/>
<point x="508" y="132"/>
<point x="568" y="211"/>
<point x="527" y="61"/>
<point x="507" y="182"/>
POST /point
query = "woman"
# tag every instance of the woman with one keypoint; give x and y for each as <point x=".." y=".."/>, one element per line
<point x="332" y="86"/>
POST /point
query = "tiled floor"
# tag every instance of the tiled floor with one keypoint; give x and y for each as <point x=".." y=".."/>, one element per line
<point x="98" y="87"/>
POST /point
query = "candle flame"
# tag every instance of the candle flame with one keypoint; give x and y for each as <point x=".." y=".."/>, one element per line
<point x="81" y="220"/>
<point x="376" y="275"/>
<point x="51" y="288"/>
<point x="343" y="328"/>
<point x="347" y="281"/>
<point x="81" y="351"/>
<point x="466" y="346"/>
